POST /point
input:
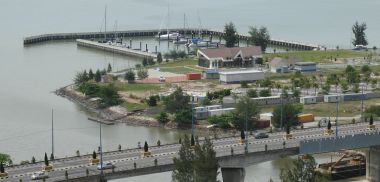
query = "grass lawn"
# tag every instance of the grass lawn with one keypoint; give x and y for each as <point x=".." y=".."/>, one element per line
<point x="318" y="56"/>
<point x="133" y="106"/>
<point x="142" y="87"/>
<point x="176" y="63"/>
<point x="346" y="109"/>
<point x="179" y="70"/>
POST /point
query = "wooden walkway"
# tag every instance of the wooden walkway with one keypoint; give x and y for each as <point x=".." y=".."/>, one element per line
<point x="153" y="32"/>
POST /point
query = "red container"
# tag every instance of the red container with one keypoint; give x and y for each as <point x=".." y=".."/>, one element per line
<point x="194" y="76"/>
<point x="261" y="123"/>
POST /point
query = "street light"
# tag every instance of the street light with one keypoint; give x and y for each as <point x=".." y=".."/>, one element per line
<point x="337" y="115"/>
<point x="362" y="97"/>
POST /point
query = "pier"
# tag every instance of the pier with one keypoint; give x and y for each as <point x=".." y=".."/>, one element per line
<point x="150" y="33"/>
<point x="115" y="49"/>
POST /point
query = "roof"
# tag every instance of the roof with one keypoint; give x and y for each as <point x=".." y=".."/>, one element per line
<point x="240" y="72"/>
<point x="305" y="63"/>
<point x="277" y="61"/>
<point x="231" y="52"/>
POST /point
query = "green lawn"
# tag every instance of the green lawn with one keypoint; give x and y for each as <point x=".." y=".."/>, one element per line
<point x="133" y="106"/>
<point x="179" y="70"/>
<point x="142" y="87"/>
<point x="318" y="56"/>
<point x="176" y="63"/>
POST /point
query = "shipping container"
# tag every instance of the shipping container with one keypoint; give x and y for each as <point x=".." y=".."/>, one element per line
<point x="354" y="96"/>
<point x="333" y="98"/>
<point x="194" y="76"/>
<point x="262" y="123"/>
<point x="213" y="107"/>
<point x="305" y="118"/>
<point x="308" y="100"/>
<point x="218" y="112"/>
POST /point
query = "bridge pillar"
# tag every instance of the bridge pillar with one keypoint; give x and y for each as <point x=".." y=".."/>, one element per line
<point x="233" y="174"/>
<point x="373" y="164"/>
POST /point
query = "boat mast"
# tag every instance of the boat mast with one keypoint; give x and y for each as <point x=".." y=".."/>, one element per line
<point x="105" y="23"/>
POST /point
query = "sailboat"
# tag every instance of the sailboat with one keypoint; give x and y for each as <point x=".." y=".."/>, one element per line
<point x="169" y="35"/>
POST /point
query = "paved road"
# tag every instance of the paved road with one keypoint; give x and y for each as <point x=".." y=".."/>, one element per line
<point x="124" y="160"/>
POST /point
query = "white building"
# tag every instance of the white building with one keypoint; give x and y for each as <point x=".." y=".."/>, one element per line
<point x="218" y="112"/>
<point x="228" y="57"/>
<point x="305" y="66"/>
<point x="308" y="100"/>
<point x="332" y="98"/>
<point x="241" y="75"/>
<point x="281" y="65"/>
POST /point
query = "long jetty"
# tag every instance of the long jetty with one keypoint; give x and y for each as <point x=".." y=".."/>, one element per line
<point x="114" y="48"/>
<point x="153" y="32"/>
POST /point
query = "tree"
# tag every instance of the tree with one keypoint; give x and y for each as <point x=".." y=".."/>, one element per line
<point x="289" y="115"/>
<point x="302" y="170"/>
<point x="259" y="37"/>
<point x="4" y="157"/>
<point x="151" y="61"/>
<point x="145" y="61"/>
<point x="243" y="84"/>
<point x="206" y="101"/>
<point x="152" y="101"/>
<point x="192" y="140"/>
<point x="142" y="73"/>
<point x="51" y="156"/>
<point x="159" y="58"/>
<point x="205" y="162"/>
<point x="177" y="101"/>
<point x="265" y="93"/>
<point x="46" y="160"/>
<point x="252" y="93"/>
<point x="146" y="147"/>
<point x="246" y="108"/>
<point x="33" y="161"/>
<point x="163" y="118"/>
<point x="109" y="68"/>
<point x="242" y="135"/>
<point x="94" y="155"/>
<point x="329" y="125"/>
<point x="183" y="116"/>
<point x="360" y="37"/>
<point x="371" y="120"/>
<point x="90" y="75"/>
<point x="183" y="165"/>
<point x="98" y="76"/>
<point x="230" y="36"/>
<point x="365" y="69"/>
<point x="80" y="78"/>
<point x="130" y="76"/>
<point x="108" y="96"/>
<point x="2" y="170"/>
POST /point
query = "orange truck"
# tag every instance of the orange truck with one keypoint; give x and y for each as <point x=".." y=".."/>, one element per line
<point x="305" y="118"/>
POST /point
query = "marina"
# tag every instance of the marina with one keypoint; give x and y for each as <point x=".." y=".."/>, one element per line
<point x="154" y="32"/>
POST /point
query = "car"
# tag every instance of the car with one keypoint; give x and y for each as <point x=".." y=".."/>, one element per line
<point x="162" y="79"/>
<point x="107" y="165"/>
<point x="261" y="135"/>
<point x="39" y="175"/>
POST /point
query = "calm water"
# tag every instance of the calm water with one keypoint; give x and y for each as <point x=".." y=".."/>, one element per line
<point x="29" y="74"/>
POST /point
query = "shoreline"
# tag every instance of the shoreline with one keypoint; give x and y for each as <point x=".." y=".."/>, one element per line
<point x="117" y="114"/>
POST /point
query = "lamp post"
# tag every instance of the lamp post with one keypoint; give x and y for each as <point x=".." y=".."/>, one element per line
<point x="192" y="114"/>
<point x="52" y="132"/>
<point x="337" y="115"/>
<point x="100" y="149"/>
<point x="282" y="91"/>
<point x="362" y="98"/>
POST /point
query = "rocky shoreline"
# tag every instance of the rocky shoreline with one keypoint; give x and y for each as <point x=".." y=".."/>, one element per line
<point x="118" y="114"/>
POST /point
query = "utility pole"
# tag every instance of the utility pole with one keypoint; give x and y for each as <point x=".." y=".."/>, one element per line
<point x="337" y="115"/>
<point x="282" y="91"/>
<point x="192" y="114"/>
<point x="52" y="132"/>
<point x="246" y="129"/>
<point x="101" y="150"/>
<point x="362" y="97"/>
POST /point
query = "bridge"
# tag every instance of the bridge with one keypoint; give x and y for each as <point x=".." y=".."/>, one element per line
<point x="130" y="163"/>
<point x="150" y="33"/>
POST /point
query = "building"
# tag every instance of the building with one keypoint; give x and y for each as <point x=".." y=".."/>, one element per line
<point x="281" y="65"/>
<point x="218" y="112"/>
<point x="305" y="66"/>
<point x="228" y="57"/>
<point x="200" y="113"/>
<point x="332" y="98"/>
<point x="238" y="76"/>
<point x="354" y="96"/>
<point x="211" y="74"/>
<point x="308" y="100"/>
